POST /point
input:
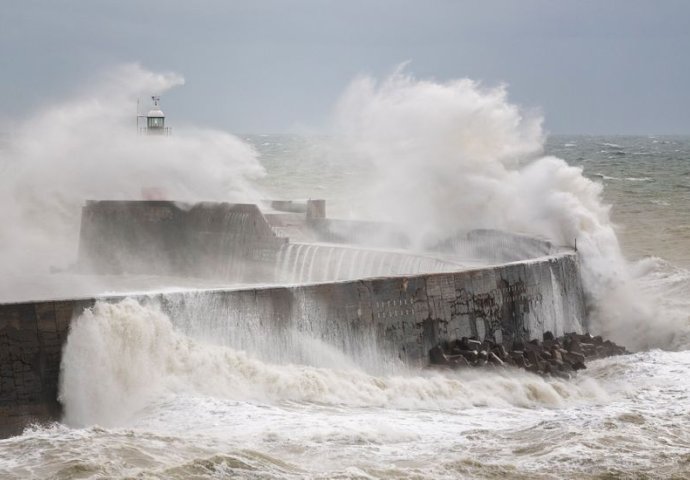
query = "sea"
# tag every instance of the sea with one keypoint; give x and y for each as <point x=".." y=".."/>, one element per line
<point x="171" y="406"/>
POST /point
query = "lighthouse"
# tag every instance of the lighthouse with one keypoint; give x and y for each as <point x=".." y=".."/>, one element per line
<point x="155" y="120"/>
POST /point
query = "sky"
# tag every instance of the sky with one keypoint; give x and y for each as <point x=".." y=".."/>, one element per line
<point x="272" y="66"/>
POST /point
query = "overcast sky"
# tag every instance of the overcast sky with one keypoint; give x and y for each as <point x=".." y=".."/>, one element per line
<point x="276" y="66"/>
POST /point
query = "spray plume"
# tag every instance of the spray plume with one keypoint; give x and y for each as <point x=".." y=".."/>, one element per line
<point x="449" y="157"/>
<point x="88" y="148"/>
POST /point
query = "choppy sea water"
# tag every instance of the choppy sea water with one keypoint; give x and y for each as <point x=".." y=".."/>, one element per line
<point x="176" y="407"/>
<point x="647" y="183"/>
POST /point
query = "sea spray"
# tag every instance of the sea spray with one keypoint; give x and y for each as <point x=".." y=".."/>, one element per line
<point x="450" y="157"/>
<point x="87" y="148"/>
<point x="641" y="431"/>
<point x="120" y="358"/>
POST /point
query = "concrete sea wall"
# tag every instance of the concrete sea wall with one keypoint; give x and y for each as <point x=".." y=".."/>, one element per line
<point x="157" y="237"/>
<point x="400" y="317"/>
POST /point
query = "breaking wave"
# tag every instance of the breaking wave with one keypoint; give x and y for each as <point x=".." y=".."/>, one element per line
<point x="121" y="357"/>
<point x="450" y="157"/>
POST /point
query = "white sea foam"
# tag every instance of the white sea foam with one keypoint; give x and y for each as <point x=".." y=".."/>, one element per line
<point x="612" y="145"/>
<point x="638" y="179"/>
<point x="641" y="429"/>
<point x="605" y="177"/>
<point x="191" y="408"/>
<point x="119" y="358"/>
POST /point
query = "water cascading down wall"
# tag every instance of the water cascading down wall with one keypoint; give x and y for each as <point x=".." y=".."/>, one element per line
<point x="374" y="321"/>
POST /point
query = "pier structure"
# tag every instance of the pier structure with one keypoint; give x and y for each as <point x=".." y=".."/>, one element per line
<point x="290" y="269"/>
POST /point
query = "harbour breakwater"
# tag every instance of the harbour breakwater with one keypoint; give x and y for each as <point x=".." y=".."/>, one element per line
<point x="399" y="318"/>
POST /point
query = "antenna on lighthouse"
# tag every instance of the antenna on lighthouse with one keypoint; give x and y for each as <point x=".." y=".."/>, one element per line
<point x="155" y="119"/>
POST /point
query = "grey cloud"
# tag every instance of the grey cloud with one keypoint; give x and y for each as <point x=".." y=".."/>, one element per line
<point x="267" y="66"/>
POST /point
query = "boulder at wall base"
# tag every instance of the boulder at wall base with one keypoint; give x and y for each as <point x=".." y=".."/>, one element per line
<point x="579" y="366"/>
<point x="574" y="357"/>
<point x="493" y="358"/>
<point x="500" y="351"/>
<point x="533" y="357"/>
<point x="474" y="344"/>
<point x="470" y="355"/>
<point x="456" y="361"/>
<point x="437" y="356"/>
<point x="553" y="356"/>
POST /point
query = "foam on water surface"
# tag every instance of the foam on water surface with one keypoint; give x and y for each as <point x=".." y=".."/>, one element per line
<point x="193" y="408"/>
<point x="121" y="357"/>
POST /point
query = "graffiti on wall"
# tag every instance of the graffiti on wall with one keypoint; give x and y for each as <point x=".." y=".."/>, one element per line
<point x="498" y="314"/>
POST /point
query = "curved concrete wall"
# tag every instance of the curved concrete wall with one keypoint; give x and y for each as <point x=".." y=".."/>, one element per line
<point x="398" y="318"/>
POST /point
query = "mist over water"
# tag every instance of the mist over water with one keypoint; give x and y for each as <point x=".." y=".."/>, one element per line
<point x="86" y="148"/>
